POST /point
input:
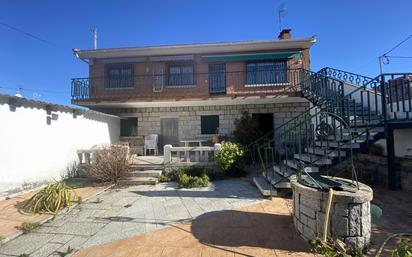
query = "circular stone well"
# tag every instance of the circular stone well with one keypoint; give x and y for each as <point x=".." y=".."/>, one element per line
<point x="349" y="220"/>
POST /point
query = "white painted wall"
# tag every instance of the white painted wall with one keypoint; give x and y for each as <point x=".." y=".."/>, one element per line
<point x="33" y="151"/>
<point x="403" y="142"/>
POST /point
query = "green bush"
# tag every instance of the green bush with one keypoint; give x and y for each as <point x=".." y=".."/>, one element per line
<point x="187" y="181"/>
<point x="193" y="171"/>
<point x="230" y="159"/>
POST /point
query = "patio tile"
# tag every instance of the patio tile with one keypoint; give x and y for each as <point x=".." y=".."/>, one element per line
<point x="26" y="243"/>
<point x="80" y="228"/>
<point x="46" y="250"/>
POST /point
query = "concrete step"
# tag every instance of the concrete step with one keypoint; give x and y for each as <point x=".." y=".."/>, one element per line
<point x="147" y="166"/>
<point x="362" y="130"/>
<point x="145" y="173"/>
<point x="346" y="137"/>
<point x="313" y="159"/>
<point x="276" y="180"/>
<point x="135" y="181"/>
<point x="285" y="171"/>
<point x="325" y="151"/>
<point x="294" y="164"/>
<point x="336" y="144"/>
<point x="264" y="187"/>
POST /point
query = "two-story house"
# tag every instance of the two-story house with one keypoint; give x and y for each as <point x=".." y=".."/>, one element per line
<point x="193" y="91"/>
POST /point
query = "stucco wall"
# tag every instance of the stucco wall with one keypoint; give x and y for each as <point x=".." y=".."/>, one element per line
<point x="33" y="149"/>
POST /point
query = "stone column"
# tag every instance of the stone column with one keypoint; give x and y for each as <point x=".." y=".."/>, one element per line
<point x="167" y="154"/>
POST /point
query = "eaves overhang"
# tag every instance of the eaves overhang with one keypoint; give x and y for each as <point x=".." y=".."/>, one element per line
<point x="207" y="48"/>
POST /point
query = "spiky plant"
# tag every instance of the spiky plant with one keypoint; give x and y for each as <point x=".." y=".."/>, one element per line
<point x="51" y="199"/>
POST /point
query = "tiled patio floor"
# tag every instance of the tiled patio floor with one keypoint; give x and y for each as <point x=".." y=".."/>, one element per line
<point x="120" y="213"/>
<point x="261" y="229"/>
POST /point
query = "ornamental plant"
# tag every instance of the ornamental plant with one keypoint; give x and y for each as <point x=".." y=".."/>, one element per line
<point x="51" y="199"/>
<point x="230" y="158"/>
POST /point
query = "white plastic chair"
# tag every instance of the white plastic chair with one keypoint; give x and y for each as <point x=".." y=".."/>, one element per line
<point x="150" y="143"/>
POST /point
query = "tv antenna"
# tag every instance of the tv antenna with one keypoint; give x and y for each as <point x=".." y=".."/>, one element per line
<point x="94" y="31"/>
<point x="281" y="11"/>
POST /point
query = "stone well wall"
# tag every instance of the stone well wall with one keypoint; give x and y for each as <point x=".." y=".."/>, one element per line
<point x="349" y="220"/>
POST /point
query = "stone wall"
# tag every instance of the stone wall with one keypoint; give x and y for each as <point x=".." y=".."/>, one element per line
<point x="190" y="119"/>
<point x="349" y="219"/>
<point x="373" y="170"/>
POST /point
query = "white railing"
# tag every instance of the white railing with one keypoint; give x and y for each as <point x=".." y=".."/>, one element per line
<point x="85" y="156"/>
<point x="182" y="155"/>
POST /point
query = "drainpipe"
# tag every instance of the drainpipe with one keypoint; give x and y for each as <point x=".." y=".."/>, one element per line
<point x="75" y="52"/>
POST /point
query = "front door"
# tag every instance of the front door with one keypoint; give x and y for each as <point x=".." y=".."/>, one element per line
<point x="169" y="129"/>
<point x="217" y="78"/>
<point x="264" y="121"/>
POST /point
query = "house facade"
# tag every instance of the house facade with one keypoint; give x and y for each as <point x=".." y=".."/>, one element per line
<point x="193" y="91"/>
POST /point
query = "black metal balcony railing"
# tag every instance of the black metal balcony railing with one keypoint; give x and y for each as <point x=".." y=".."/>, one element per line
<point x="218" y="81"/>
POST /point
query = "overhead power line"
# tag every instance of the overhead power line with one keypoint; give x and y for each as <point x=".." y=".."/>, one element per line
<point x="35" y="90"/>
<point x="399" y="44"/>
<point x="26" y="33"/>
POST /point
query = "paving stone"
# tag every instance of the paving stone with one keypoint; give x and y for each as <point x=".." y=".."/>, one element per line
<point x="80" y="228"/>
<point x="26" y="243"/>
<point x="62" y="239"/>
<point x="46" y="250"/>
<point x="152" y="208"/>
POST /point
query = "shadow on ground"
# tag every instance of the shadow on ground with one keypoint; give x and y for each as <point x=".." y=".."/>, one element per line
<point x="234" y="228"/>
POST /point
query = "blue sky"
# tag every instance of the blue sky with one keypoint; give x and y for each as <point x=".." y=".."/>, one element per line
<point x="351" y="33"/>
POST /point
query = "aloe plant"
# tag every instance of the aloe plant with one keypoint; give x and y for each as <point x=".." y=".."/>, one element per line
<point x="51" y="199"/>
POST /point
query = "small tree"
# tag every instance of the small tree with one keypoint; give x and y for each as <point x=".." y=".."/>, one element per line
<point x="246" y="129"/>
<point x="110" y="163"/>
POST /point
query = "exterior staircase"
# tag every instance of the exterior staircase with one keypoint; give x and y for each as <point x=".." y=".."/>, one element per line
<point x="346" y="116"/>
<point x="143" y="174"/>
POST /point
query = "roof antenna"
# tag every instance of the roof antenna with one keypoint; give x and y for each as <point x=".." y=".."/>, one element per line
<point x="281" y="11"/>
<point x="94" y="31"/>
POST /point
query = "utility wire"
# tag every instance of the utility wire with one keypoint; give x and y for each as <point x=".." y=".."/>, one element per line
<point x="400" y="57"/>
<point x="26" y="33"/>
<point x="35" y="90"/>
<point x="398" y="45"/>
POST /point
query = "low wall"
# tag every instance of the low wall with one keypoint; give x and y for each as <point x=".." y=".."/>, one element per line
<point x="349" y="220"/>
<point x="38" y="140"/>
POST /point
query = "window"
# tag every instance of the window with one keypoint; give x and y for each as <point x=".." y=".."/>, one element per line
<point x="209" y="124"/>
<point x="128" y="127"/>
<point x="119" y="77"/>
<point x="180" y="75"/>
<point x="266" y="72"/>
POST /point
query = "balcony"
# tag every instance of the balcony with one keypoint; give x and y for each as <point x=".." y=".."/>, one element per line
<point x="191" y="85"/>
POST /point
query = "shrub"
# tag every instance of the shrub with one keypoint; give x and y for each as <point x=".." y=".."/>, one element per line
<point x="51" y="199"/>
<point x="193" y="171"/>
<point x="186" y="181"/>
<point x="163" y="178"/>
<point x="333" y="248"/>
<point x="109" y="164"/>
<point x="72" y="170"/>
<point x="246" y="129"/>
<point x="230" y="159"/>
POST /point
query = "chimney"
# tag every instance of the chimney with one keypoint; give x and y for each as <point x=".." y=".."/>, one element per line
<point x="285" y="34"/>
